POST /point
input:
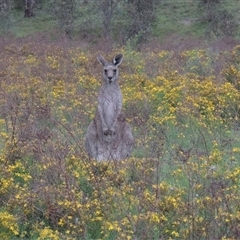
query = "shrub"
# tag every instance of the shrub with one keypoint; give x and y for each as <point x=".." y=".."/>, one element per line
<point x="182" y="181"/>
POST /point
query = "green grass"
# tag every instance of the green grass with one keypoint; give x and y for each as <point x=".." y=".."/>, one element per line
<point x="52" y="174"/>
<point x="178" y="18"/>
<point x="185" y="18"/>
<point x="22" y="27"/>
<point x="175" y="17"/>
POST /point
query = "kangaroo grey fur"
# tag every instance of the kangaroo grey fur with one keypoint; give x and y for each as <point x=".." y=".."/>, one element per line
<point x="109" y="136"/>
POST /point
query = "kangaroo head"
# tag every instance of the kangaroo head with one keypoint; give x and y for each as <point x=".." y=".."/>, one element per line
<point x="110" y="70"/>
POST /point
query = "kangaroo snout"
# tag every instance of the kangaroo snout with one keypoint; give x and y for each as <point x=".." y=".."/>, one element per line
<point x="110" y="79"/>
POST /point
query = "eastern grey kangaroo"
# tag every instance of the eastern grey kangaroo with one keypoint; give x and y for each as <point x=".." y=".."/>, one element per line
<point x="109" y="136"/>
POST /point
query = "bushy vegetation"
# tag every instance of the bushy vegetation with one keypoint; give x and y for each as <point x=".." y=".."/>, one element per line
<point x="122" y="21"/>
<point x="183" y="179"/>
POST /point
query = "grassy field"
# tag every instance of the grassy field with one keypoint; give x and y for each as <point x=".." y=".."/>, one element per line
<point x="186" y="18"/>
<point x="183" y="178"/>
<point x="182" y="181"/>
<point x="182" y="19"/>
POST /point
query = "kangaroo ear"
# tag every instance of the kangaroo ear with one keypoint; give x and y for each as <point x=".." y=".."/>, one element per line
<point x="117" y="60"/>
<point x="102" y="60"/>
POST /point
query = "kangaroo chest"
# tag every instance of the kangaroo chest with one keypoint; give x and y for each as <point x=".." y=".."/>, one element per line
<point x="110" y="101"/>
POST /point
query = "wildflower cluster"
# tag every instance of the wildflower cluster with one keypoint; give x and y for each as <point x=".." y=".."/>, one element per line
<point x="183" y="180"/>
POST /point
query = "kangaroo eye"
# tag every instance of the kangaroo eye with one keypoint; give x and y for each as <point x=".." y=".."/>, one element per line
<point x="105" y="70"/>
<point x="114" y="70"/>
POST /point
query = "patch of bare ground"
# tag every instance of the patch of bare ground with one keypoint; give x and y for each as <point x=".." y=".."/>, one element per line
<point x="45" y="38"/>
<point x="173" y="42"/>
<point x="180" y="43"/>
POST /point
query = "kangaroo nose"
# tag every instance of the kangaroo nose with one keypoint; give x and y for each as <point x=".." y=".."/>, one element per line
<point x="110" y="79"/>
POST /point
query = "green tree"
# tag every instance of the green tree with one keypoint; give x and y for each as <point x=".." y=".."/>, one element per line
<point x="107" y="9"/>
<point x="141" y="14"/>
<point x="219" y="20"/>
<point x="64" y="12"/>
<point x="5" y="15"/>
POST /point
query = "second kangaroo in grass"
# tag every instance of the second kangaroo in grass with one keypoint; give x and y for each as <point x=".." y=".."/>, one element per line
<point x="109" y="135"/>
